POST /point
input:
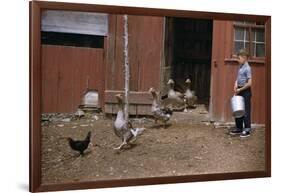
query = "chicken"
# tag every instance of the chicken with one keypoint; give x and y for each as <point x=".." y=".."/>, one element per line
<point x="172" y="93"/>
<point x="80" y="145"/>
<point x="160" y="113"/>
<point x="189" y="95"/>
<point x="122" y="128"/>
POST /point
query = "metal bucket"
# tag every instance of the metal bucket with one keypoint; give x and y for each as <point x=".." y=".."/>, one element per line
<point x="237" y="106"/>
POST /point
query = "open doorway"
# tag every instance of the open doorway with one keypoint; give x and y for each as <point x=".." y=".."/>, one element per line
<point x="188" y="52"/>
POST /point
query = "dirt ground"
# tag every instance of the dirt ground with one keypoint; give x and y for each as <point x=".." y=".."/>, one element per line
<point x="190" y="145"/>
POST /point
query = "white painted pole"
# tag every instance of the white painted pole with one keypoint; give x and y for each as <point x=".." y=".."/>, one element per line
<point x="127" y="68"/>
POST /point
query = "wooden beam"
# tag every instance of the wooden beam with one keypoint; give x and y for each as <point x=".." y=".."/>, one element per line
<point x="134" y="97"/>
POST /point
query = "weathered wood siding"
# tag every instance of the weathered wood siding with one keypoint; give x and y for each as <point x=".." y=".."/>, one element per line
<point x="223" y="74"/>
<point x="145" y="57"/>
<point x="66" y="74"/>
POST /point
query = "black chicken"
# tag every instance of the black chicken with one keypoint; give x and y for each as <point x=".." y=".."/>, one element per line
<point x="80" y="145"/>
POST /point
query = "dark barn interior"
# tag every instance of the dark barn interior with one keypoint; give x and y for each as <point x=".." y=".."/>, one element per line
<point x="190" y="47"/>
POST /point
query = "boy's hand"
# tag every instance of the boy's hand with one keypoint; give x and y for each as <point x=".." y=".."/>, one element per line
<point x="237" y="91"/>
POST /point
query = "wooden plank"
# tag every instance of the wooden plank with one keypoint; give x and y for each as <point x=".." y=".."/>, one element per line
<point x="118" y="73"/>
<point x="134" y="45"/>
<point x="108" y="108"/>
<point x="134" y="97"/>
<point x="151" y="33"/>
<point x="65" y="79"/>
<point x="223" y="101"/>
<point x="49" y="80"/>
<point x="75" y="22"/>
<point x="144" y="59"/>
<point x="113" y="109"/>
<point x="110" y="53"/>
<point x="133" y="109"/>
<point x="144" y="110"/>
<point x="217" y="72"/>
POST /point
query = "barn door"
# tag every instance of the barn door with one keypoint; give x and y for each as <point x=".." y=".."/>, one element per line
<point x="221" y="76"/>
<point x="145" y="59"/>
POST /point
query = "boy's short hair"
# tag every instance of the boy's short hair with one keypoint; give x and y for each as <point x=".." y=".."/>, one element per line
<point x="243" y="52"/>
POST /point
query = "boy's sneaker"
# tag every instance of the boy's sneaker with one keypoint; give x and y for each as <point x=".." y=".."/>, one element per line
<point x="245" y="134"/>
<point x="236" y="131"/>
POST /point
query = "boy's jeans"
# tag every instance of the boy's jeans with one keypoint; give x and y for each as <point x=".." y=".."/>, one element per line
<point x="246" y="119"/>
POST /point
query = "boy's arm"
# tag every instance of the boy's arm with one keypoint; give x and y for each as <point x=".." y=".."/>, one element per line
<point x="247" y="85"/>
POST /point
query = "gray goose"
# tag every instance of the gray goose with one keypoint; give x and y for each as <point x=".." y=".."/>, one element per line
<point x="123" y="129"/>
<point x="159" y="113"/>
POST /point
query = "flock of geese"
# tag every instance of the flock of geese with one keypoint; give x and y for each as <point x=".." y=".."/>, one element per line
<point x="162" y="110"/>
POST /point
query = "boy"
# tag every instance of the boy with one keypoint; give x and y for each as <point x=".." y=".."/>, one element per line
<point x="242" y="87"/>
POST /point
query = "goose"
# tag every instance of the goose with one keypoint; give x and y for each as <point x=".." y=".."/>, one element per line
<point x="122" y="128"/>
<point x="171" y="92"/>
<point x="174" y="99"/>
<point x="189" y="95"/>
<point x="159" y="113"/>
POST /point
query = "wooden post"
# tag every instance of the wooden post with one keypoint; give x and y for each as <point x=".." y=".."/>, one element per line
<point x="127" y="68"/>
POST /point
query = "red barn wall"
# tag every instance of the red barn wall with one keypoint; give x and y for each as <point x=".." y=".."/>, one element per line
<point x="66" y="74"/>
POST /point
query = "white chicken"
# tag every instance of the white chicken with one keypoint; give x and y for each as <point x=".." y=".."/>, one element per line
<point x="160" y="113"/>
<point x="123" y="129"/>
<point x="189" y="95"/>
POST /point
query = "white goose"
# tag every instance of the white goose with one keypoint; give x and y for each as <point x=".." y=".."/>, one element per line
<point x="189" y="95"/>
<point x="124" y="130"/>
<point x="171" y="92"/>
<point x="174" y="99"/>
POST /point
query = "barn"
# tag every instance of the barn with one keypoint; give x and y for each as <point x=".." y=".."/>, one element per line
<point x="83" y="50"/>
